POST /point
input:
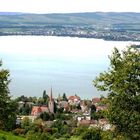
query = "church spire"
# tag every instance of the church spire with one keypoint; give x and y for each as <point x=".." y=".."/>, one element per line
<point x="51" y="102"/>
<point x="51" y="96"/>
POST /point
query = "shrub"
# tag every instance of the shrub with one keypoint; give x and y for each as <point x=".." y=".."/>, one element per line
<point x="2" y="138"/>
<point x="18" y="131"/>
<point x="91" y="134"/>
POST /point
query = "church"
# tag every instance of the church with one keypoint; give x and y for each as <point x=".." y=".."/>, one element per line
<point x="37" y="110"/>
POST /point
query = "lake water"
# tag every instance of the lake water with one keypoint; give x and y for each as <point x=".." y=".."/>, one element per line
<point x="67" y="64"/>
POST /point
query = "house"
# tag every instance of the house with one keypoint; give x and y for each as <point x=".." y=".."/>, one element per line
<point x="63" y="104"/>
<point x="22" y="104"/>
<point x="83" y="117"/>
<point x="104" y="124"/>
<point x="74" y="100"/>
<point x="37" y="110"/>
<point x="96" y="101"/>
<point x="98" y="108"/>
<point x="30" y="104"/>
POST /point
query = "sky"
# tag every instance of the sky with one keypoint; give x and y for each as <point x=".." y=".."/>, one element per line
<point x="69" y="6"/>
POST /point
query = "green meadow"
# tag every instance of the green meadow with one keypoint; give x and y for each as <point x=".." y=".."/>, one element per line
<point x="9" y="136"/>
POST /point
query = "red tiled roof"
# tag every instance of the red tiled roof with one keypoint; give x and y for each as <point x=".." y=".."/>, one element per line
<point x="96" y="100"/>
<point x="74" y="97"/>
<point x="101" y="107"/>
<point x="36" y="110"/>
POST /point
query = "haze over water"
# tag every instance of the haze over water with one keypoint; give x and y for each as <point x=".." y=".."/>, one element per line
<point x="67" y="64"/>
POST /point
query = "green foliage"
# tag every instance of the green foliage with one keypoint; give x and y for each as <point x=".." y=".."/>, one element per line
<point x="9" y="136"/>
<point x="22" y="98"/>
<point x="80" y="130"/>
<point x="107" y="135"/>
<point x="57" y="124"/>
<point x="18" y="131"/>
<point x="40" y="101"/>
<point x="45" y="136"/>
<point x="67" y="136"/>
<point x="25" y="122"/>
<point x="91" y="134"/>
<point x="57" y="135"/>
<point x="64" y="98"/>
<point x="63" y="116"/>
<point x="122" y="81"/>
<point x="93" y="108"/>
<point x="33" y="136"/>
<point x="38" y="136"/>
<point x="25" y="110"/>
<point x="45" y="98"/>
<point x="62" y="127"/>
<point x="86" y="133"/>
<point x="26" y="99"/>
<point x="45" y="116"/>
<point x="7" y="106"/>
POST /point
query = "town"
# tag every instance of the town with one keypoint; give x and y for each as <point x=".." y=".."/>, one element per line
<point x="49" y="109"/>
<point x="106" y="33"/>
<point x="61" y="116"/>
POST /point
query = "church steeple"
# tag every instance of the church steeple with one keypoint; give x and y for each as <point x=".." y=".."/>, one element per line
<point x="51" y="96"/>
<point x="51" y="102"/>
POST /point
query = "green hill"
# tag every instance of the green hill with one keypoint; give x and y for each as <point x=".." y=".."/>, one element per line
<point x="9" y="136"/>
<point x="71" y="19"/>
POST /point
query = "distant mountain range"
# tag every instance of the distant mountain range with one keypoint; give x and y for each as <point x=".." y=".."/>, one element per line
<point x="96" y="24"/>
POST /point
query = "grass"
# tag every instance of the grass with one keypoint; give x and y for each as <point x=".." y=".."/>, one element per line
<point x="9" y="136"/>
<point x="75" y="138"/>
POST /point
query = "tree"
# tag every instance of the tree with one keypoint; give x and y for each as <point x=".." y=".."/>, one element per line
<point x="45" y="116"/>
<point x="45" y="97"/>
<point x="78" y="131"/>
<point x="26" y="123"/>
<point x="91" y="134"/>
<point x="7" y="106"/>
<point x="122" y="81"/>
<point x="40" y="101"/>
<point x="25" y="110"/>
<point x="93" y="108"/>
<point x="93" y="111"/>
<point x="64" y="97"/>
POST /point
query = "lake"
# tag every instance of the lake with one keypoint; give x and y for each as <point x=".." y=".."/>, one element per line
<point x="66" y="64"/>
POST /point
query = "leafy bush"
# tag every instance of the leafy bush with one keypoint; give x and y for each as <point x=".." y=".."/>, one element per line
<point x="2" y="138"/>
<point x="18" y="131"/>
<point x="38" y="136"/>
<point x="92" y="134"/>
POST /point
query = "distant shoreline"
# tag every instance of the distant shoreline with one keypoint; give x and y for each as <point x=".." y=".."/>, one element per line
<point x="110" y="26"/>
<point x="71" y="36"/>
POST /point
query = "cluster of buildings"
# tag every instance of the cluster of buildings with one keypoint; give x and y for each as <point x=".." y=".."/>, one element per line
<point x="106" y="33"/>
<point x="80" y="108"/>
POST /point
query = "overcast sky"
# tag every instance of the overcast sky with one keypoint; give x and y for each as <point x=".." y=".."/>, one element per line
<point x="68" y="6"/>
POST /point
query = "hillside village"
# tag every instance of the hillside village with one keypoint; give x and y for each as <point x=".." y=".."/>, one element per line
<point x="83" y="112"/>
